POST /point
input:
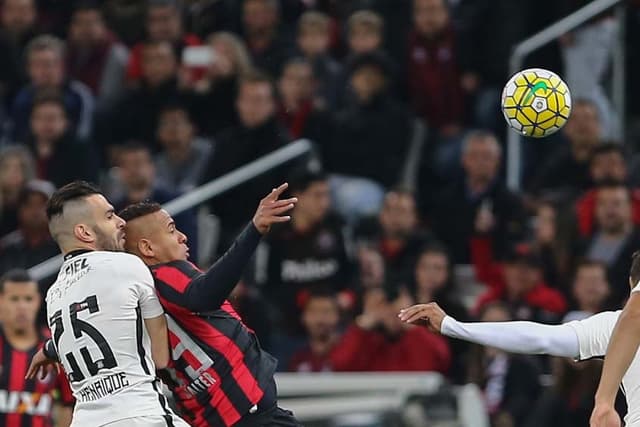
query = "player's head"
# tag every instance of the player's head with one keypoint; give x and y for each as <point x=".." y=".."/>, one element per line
<point x="80" y="217"/>
<point x="19" y="301"/>
<point x="634" y="274"/>
<point x="152" y="234"/>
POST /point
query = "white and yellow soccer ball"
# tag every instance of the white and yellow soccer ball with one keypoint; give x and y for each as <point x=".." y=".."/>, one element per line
<point x="536" y="102"/>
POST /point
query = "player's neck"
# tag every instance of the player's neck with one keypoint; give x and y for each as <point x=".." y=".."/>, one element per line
<point x="21" y="340"/>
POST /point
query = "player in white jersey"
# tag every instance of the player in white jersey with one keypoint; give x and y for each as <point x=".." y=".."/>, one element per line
<point x="108" y="327"/>
<point x="579" y="340"/>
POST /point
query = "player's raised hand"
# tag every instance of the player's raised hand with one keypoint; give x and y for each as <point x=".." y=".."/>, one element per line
<point x="40" y="364"/>
<point x="604" y="416"/>
<point x="271" y="210"/>
<point x="431" y="312"/>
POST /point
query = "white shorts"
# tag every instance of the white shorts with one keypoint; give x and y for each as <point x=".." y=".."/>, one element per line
<point x="150" y="421"/>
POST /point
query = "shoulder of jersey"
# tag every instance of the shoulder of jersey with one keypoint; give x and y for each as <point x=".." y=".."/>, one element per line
<point x="123" y="261"/>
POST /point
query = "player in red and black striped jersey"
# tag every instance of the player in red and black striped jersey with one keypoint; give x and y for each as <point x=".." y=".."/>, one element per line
<point x="26" y="403"/>
<point x="219" y="374"/>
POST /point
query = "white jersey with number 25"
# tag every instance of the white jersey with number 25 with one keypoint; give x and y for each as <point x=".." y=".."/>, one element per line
<point x="96" y="311"/>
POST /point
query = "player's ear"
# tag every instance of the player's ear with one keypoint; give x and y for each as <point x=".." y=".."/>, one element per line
<point x="84" y="233"/>
<point x="145" y="248"/>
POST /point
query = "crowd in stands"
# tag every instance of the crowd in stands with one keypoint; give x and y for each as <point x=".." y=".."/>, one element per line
<point x="406" y="182"/>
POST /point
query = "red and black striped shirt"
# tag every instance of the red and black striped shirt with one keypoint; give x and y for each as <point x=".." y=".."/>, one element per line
<point x="28" y="403"/>
<point x="219" y="371"/>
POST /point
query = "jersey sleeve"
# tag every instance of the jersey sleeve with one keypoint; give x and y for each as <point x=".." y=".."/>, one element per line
<point x="63" y="390"/>
<point x="594" y="333"/>
<point x="143" y="282"/>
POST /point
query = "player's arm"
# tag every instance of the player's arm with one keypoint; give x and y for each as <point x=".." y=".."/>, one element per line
<point x="157" y="329"/>
<point x="151" y="312"/>
<point x="209" y="290"/>
<point x="623" y="347"/>
<point x="514" y="337"/>
<point x="63" y="415"/>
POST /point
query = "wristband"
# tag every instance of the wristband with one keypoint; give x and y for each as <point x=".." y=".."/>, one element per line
<point x="49" y="350"/>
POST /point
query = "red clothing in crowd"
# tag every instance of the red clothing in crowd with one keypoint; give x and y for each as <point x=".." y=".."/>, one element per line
<point x="305" y="360"/>
<point x="416" y="349"/>
<point x="295" y="121"/>
<point x="491" y="273"/>
<point x="434" y="79"/>
<point x="134" y="70"/>
<point x="586" y="211"/>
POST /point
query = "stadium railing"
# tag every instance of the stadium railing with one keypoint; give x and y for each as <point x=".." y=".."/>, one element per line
<point x="547" y="35"/>
<point x="207" y="191"/>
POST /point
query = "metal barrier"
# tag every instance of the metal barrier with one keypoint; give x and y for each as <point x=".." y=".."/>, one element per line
<point x="522" y="49"/>
<point x="206" y="192"/>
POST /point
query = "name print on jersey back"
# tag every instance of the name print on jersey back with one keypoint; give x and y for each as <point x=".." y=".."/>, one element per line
<point x="95" y="312"/>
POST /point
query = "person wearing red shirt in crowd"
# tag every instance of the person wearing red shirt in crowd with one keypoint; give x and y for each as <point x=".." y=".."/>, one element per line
<point x="518" y="282"/>
<point x="433" y="76"/>
<point x="27" y="403"/>
<point x="321" y="319"/>
<point x="607" y="163"/>
<point x="163" y="24"/>
<point x="379" y="341"/>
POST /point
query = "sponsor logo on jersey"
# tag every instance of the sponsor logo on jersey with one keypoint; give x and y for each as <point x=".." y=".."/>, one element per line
<point x="308" y="270"/>
<point x="22" y="402"/>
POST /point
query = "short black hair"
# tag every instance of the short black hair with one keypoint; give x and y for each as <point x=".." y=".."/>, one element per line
<point x="133" y="146"/>
<point x="139" y="209"/>
<point x="87" y="6"/>
<point x="607" y="148"/>
<point x="301" y="179"/>
<point x="17" y="275"/>
<point x="612" y="184"/>
<point x="635" y="267"/>
<point x="72" y="191"/>
<point x="319" y="292"/>
<point x="48" y="96"/>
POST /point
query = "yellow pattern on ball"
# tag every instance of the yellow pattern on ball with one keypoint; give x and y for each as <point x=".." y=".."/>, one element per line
<point x="536" y="102"/>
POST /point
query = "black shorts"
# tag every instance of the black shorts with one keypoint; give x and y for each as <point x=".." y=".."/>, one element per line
<point x="274" y="417"/>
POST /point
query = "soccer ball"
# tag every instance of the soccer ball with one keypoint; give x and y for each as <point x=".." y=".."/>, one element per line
<point x="536" y="102"/>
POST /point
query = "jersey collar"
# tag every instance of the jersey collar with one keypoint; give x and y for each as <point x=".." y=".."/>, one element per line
<point x="75" y="253"/>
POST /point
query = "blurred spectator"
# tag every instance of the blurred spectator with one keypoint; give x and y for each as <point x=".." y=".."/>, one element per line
<point x="390" y="344"/>
<point x="45" y="67"/>
<point x="517" y="283"/>
<point x="217" y="90"/>
<point x="95" y="57"/>
<point x="16" y="169"/>
<point x="268" y="46"/>
<point x="369" y="148"/>
<point x="371" y="268"/>
<point x="607" y="164"/>
<point x="615" y="239"/>
<point x="136" y="116"/>
<point x="569" y="401"/>
<point x="549" y="242"/>
<point x="567" y="169"/>
<point x="163" y="23"/>
<point x="478" y="203"/>
<point x="298" y="109"/>
<point x="433" y="78"/>
<point x="590" y="290"/>
<point x="257" y="134"/>
<point x="509" y="382"/>
<point x="365" y="32"/>
<point x="306" y="253"/>
<point x="60" y="156"/>
<point x="314" y="38"/>
<point x="18" y="18"/>
<point x="138" y="181"/>
<point x="431" y="281"/>
<point x="321" y="320"/>
<point x="395" y="232"/>
<point x="31" y="243"/>
<point x="181" y="164"/>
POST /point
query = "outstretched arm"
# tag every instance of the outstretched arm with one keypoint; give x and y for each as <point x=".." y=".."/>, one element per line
<point x="207" y="291"/>
<point x="514" y="337"/>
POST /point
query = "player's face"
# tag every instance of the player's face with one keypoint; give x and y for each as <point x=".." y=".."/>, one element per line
<point x="20" y="303"/>
<point x="108" y="227"/>
<point x="168" y="243"/>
